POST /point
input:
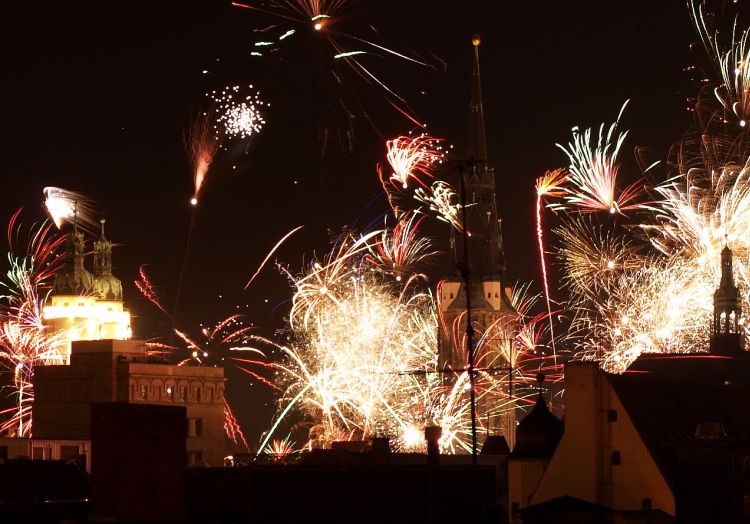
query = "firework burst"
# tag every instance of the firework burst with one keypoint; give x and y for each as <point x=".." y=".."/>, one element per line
<point x="24" y="340"/>
<point x="645" y="283"/>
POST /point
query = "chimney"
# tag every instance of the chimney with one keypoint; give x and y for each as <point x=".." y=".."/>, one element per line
<point x="432" y="435"/>
<point x="381" y="447"/>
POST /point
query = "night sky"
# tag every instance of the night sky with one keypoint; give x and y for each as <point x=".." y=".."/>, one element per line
<point x="95" y="97"/>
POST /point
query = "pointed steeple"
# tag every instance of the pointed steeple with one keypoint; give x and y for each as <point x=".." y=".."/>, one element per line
<point x="477" y="151"/>
<point x="102" y="254"/>
<point x="486" y="256"/>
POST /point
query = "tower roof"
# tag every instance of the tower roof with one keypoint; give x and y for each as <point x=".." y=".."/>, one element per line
<point x="106" y="285"/>
<point x="73" y="278"/>
<point x="538" y="433"/>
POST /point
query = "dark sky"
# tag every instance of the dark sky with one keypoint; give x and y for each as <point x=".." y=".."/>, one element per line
<point x="95" y="97"/>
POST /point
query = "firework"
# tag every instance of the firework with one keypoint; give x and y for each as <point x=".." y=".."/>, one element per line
<point x="593" y="171"/>
<point x="202" y="144"/>
<point x="401" y="249"/>
<point x="645" y="284"/>
<point x="69" y="206"/>
<point x="409" y="156"/>
<point x="442" y="199"/>
<point x="361" y="355"/>
<point x="24" y="341"/>
<point x="547" y="186"/>
<point x="237" y="112"/>
<point x="322" y="16"/>
<point x="732" y="66"/>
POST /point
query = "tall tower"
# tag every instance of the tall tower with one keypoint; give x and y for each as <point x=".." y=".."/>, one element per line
<point x="726" y="329"/>
<point x="83" y="306"/>
<point x="493" y="316"/>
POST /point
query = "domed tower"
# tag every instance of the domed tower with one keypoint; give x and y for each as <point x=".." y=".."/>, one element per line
<point x="538" y="433"/>
<point x="83" y="306"/>
<point x="73" y="279"/>
<point x="726" y="329"/>
<point x="106" y="285"/>
<point x="537" y="437"/>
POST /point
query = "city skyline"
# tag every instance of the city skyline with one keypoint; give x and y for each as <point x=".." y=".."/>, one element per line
<point x="109" y="124"/>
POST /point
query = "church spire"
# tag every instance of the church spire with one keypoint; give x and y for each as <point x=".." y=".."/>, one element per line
<point x="477" y="151"/>
<point x="726" y="331"/>
<point x="102" y="254"/>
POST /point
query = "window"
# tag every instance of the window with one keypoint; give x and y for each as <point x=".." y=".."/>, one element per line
<point x="144" y="392"/>
<point x="195" y="459"/>
<point x="615" y="458"/>
<point x="195" y="427"/>
<point x="612" y="415"/>
<point x="183" y="393"/>
<point x="197" y="394"/>
<point x="170" y="394"/>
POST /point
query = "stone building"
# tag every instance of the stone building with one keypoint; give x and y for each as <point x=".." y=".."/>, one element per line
<point x="122" y="371"/>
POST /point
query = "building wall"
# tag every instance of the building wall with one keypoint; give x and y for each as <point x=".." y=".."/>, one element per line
<point x="523" y="478"/>
<point x="139" y="463"/>
<point x="582" y="465"/>
<point x="637" y="477"/>
<point x="120" y="371"/>
<point x="575" y="464"/>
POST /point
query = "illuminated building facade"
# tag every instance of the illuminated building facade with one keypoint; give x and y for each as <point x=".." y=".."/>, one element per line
<point x="83" y="306"/>
<point x="491" y="307"/>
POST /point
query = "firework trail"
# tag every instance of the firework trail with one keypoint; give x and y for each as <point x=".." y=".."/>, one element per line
<point x="547" y="186"/>
<point x="202" y="142"/>
<point x="232" y="428"/>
